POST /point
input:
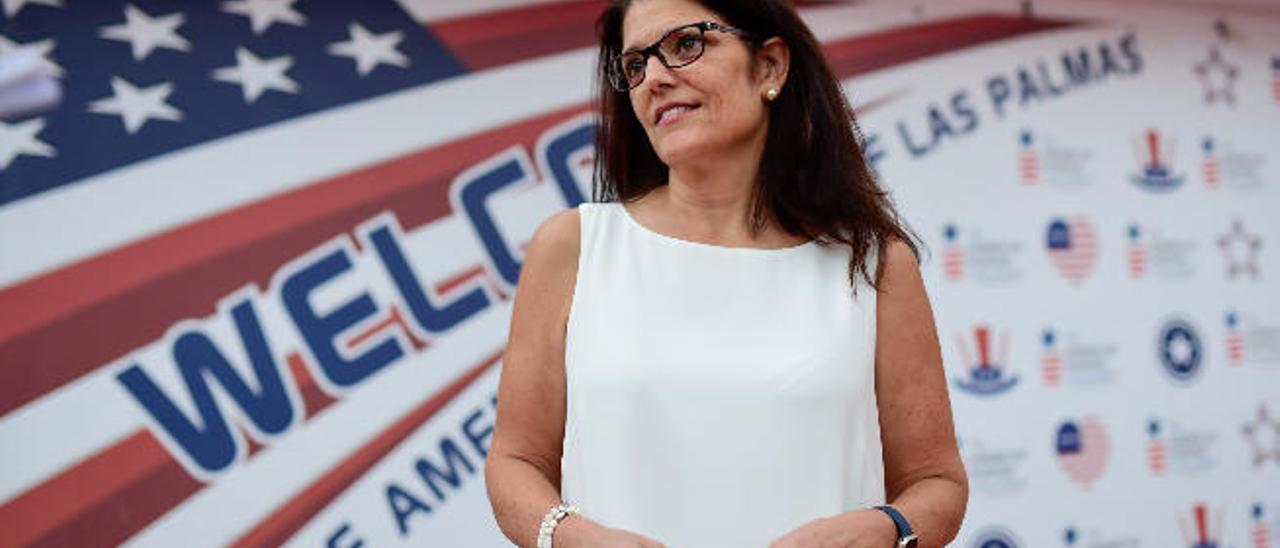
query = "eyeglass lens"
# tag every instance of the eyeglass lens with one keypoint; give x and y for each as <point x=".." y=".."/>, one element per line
<point x="677" y="49"/>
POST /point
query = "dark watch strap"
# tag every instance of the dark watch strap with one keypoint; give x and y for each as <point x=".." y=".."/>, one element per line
<point x="904" y="528"/>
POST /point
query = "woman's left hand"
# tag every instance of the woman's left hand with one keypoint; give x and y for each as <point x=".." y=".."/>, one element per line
<point x="857" y="529"/>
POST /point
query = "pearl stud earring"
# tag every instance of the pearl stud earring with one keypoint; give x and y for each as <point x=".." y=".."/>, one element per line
<point x="771" y="94"/>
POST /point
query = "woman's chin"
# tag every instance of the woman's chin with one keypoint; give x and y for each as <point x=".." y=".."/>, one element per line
<point x="678" y="150"/>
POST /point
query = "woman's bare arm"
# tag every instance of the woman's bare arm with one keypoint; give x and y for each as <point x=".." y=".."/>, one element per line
<point x="924" y="476"/>
<point x="522" y="470"/>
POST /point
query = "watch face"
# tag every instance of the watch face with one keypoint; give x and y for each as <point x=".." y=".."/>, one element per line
<point x="909" y="542"/>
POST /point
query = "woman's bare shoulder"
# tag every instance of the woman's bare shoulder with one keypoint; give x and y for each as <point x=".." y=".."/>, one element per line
<point x="555" y="244"/>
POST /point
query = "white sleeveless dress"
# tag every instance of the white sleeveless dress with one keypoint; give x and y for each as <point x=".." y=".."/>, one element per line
<point x="717" y="396"/>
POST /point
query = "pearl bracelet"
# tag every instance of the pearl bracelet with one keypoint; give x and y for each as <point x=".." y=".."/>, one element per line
<point x="553" y="518"/>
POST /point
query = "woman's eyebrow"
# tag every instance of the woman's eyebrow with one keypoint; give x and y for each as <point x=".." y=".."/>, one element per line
<point x="666" y="31"/>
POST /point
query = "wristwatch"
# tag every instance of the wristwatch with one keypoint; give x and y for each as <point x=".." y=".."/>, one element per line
<point x="906" y="537"/>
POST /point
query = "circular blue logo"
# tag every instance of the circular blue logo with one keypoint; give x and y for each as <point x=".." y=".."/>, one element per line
<point x="1180" y="350"/>
<point x="995" y="538"/>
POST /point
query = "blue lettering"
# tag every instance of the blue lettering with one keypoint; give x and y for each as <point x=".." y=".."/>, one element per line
<point x="404" y="505"/>
<point x="475" y="190"/>
<point x="452" y="455"/>
<point x="336" y="537"/>
<point x="560" y="151"/>
<point x="213" y="447"/>
<point x="320" y="331"/>
<point x="427" y="315"/>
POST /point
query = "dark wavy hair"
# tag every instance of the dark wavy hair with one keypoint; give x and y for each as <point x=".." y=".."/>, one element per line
<point x="813" y="176"/>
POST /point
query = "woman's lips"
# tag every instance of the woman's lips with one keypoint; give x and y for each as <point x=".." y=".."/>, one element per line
<point x="675" y="114"/>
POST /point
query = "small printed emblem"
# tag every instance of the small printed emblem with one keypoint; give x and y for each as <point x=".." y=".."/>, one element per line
<point x="987" y="372"/>
<point x="1240" y="249"/>
<point x="1263" y="435"/>
<point x="1217" y="78"/>
<point x="1155" y="157"/>
<point x="1180" y="350"/>
<point x="1073" y="247"/>
<point x="1198" y="533"/>
<point x="952" y="255"/>
<point x="1082" y="448"/>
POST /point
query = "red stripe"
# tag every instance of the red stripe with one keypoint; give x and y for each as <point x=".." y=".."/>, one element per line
<point x="136" y="473"/>
<point x="498" y="38"/>
<point x="181" y="273"/>
<point x="290" y="517"/>
<point x="863" y="54"/>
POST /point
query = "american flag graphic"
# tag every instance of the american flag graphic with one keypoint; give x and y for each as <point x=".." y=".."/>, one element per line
<point x="1201" y="534"/>
<point x="1157" y="454"/>
<point x="953" y="254"/>
<point x="1073" y="248"/>
<point x="1050" y="359"/>
<point x="267" y="128"/>
<point x="1210" y="166"/>
<point x="1082" y="447"/>
<point x="1235" y="342"/>
<point x="1137" y="253"/>
<point x="1028" y="161"/>
<point x="1260" y="532"/>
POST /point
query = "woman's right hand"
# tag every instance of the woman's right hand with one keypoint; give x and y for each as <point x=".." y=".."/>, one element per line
<point x="579" y="532"/>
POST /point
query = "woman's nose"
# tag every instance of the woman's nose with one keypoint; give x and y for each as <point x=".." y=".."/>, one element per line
<point x="656" y="73"/>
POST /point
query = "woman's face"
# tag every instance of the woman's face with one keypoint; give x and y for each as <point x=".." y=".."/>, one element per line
<point x="725" y="98"/>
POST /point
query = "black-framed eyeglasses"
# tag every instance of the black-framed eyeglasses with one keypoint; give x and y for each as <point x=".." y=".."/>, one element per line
<point x="677" y="48"/>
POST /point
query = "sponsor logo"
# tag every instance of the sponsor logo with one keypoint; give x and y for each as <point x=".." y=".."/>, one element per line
<point x="1259" y="530"/>
<point x="970" y="255"/>
<point x="1196" y="530"/>
<point x="1234" y="340"/>
<point x="1222" y="164"/>
<point x="1075" y="537"/>
<point x="1042" y="160"/>
<point x="1155" y="156"/>
<point x="1082" y="448"/>
<point x="1262" y="433"/>
<point x="1066" y="358"/>
<point x="1217" y="78"/>
<point x="1073" y="247"/>
<point x="1174" y="448"/>
<point x="1250" y="341"/>
<point x="993" y="469"/>
<point x="1240" y="250"/>
<point x="1180" y="351"/>
<point x="1152" y="253"/>
<point x="987" y="373"/>
<point x="995" y="537"/>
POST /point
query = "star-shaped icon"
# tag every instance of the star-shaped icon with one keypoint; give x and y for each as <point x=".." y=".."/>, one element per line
<point x="135" y="105"/>
<point x="42" y="48"/>
<point x="146" y="33"/>
<point x="256" y="75"/>
<point x="368" y="49"/>
<point x="12" y="7"/>
<point x="20" y="138"/>
<point x="1240" y="248"/>
<point x="1263" y="433"/>
<point x="1218" y="78"/>
<point x="264" y="13"/>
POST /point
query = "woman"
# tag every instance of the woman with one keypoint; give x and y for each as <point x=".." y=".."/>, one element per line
<point x="715" y="355"/>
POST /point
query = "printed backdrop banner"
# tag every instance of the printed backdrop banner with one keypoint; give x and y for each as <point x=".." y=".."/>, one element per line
<point x="256" y="268"/>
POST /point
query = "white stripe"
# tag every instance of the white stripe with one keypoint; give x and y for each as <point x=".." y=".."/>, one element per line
<point x="104" y="212"/>
<point x="429" y="11"/>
